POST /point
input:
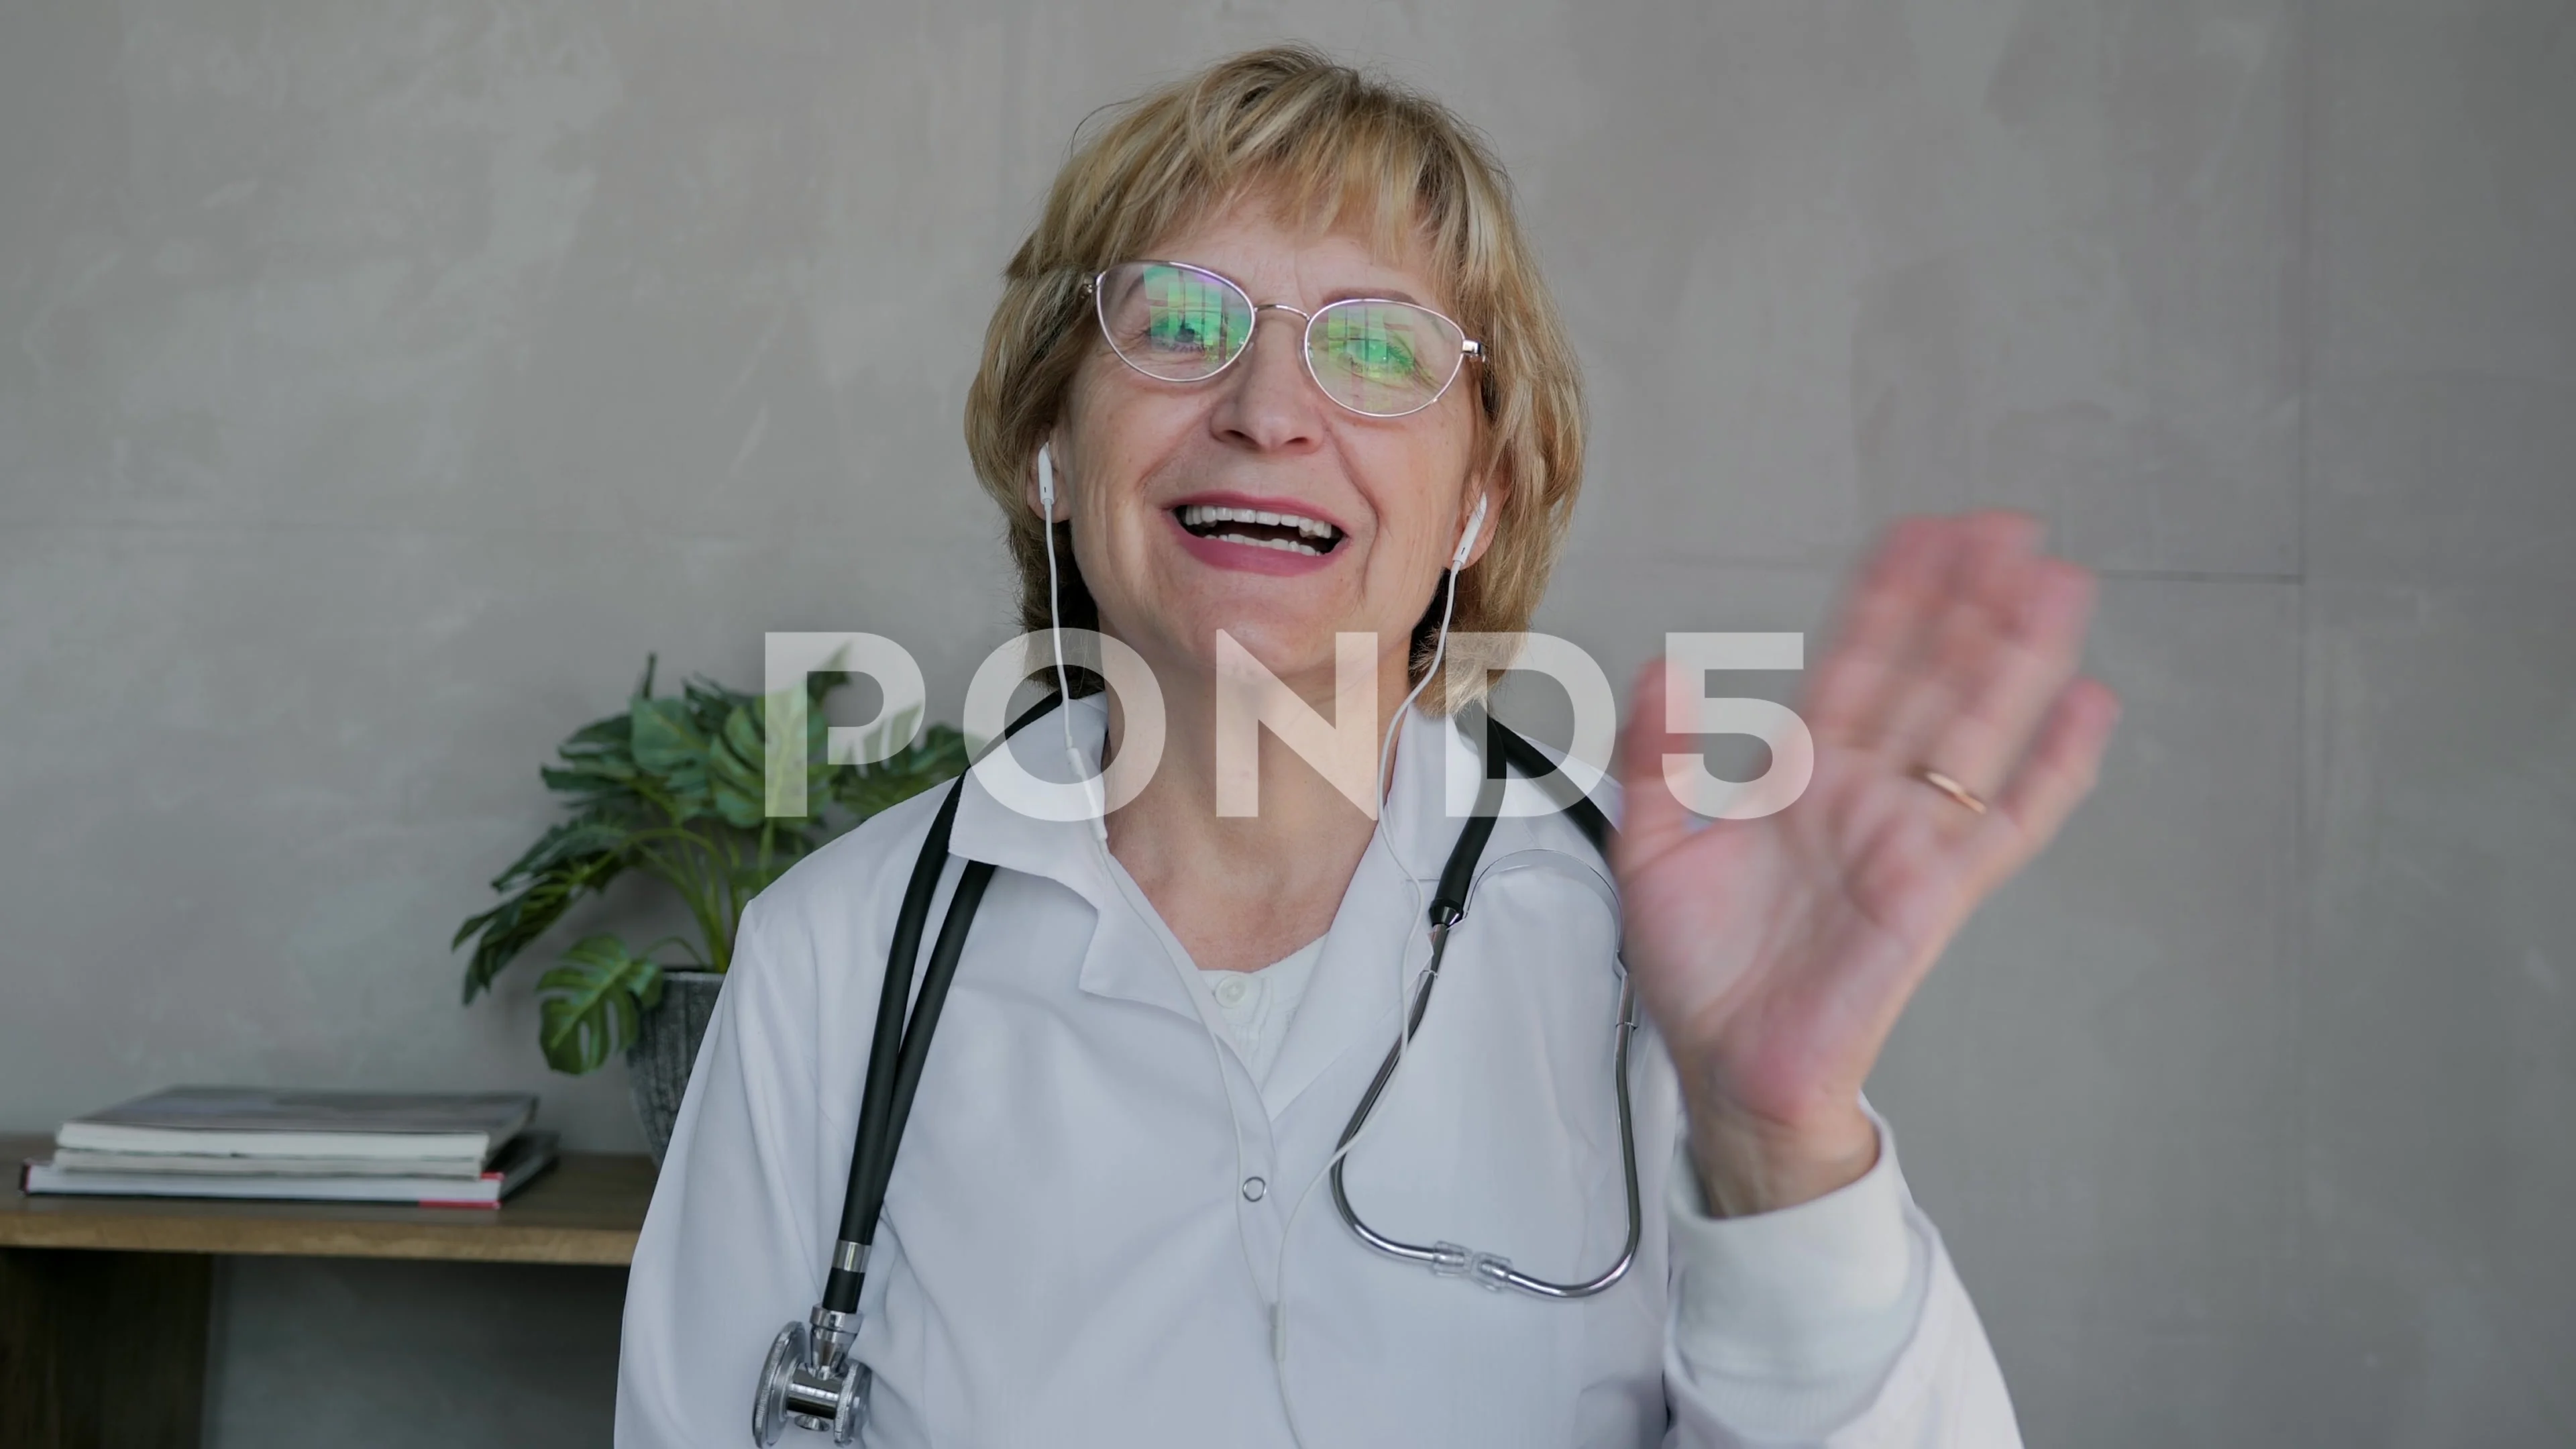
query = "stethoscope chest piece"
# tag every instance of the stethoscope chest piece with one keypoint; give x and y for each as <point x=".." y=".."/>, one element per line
<point x="811" y="1380"/>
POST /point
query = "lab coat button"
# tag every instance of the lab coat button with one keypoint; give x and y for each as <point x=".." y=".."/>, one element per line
<point x="1253" y="1188"/>
<point x="1230" y="991"/>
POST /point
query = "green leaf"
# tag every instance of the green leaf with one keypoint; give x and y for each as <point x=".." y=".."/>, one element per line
<point x="669" y="746"/>
<point x="938" y="756"/>
<point x="709" y="703"/>
<point x="664" y="737"/>
<point x="606" y="734"/>
<point x="557" y="872"/>
<point x="734" y="763"/>
<point x="792" y="795"/>
<point x="598" y="761"/>
<point x="591" y="1005"/>
<point x="590" y="779"/>
<point x="568" y="840"/>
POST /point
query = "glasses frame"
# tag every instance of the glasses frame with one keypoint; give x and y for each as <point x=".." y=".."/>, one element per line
<point x="1468" y="347"/>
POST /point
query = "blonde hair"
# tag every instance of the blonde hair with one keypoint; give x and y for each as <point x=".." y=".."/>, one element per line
<point x="1334" y="146"/>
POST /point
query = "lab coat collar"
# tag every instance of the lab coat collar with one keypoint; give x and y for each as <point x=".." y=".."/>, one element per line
<point x="1132" y="955"/>
<point x="1356" y="983"/>
<point x="1063" y="851"/>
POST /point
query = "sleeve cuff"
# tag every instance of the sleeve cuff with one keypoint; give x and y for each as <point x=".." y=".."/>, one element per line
<point x="1805" y="1293"/>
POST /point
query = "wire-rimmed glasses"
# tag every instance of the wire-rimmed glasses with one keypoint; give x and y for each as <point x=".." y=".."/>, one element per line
<point x="1378" y="357"/>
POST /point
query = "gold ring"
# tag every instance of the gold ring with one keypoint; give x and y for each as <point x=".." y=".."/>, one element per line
<point x="1950" y="787"/>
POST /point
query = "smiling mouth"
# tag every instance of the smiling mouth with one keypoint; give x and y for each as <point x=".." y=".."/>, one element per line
<point x="1261" y="528"/>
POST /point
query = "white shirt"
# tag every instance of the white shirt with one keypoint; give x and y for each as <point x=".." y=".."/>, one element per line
<point x="1082" y="1238"/>
<point x="1256" y="1006"/>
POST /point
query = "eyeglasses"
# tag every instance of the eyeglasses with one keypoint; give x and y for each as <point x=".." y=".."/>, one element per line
<point x="1180" y="323"/>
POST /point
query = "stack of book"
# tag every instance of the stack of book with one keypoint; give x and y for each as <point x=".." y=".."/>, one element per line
<point x="432" y="1149"/>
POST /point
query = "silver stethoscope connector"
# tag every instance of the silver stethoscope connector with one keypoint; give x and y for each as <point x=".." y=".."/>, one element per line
<point x="811" y="1381"/>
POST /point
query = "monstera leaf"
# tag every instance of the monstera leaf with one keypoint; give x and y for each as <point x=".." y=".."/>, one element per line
<point x="671" y="752"/>
<point x="591" y="1005"/>
<point x="576" y="858"/>
<point x="937" y="757"/>
<point x="734" y="760"/>
<point x="598" y="763"/>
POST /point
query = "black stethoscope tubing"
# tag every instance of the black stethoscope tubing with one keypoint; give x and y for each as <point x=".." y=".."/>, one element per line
<point x="902" y="1044"/>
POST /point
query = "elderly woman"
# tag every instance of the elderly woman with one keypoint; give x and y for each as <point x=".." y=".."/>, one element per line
<point x="1275" y="378"/>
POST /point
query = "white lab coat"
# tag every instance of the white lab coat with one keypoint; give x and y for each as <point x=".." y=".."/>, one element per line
<point x="1081" y="1241"/>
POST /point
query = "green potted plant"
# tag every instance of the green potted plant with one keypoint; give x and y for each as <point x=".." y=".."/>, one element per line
<point x="672" y="788"/>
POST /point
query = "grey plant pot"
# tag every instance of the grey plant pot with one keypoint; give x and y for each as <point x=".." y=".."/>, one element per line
<point x="665" y="1048"/>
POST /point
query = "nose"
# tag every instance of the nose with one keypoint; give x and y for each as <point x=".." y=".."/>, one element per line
<point x="1268" y="404"/>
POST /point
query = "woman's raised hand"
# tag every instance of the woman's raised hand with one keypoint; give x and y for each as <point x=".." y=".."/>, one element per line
<point x="1776" y="954"/>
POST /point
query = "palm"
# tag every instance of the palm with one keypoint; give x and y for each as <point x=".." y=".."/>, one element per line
<point x="1776" y="953"/>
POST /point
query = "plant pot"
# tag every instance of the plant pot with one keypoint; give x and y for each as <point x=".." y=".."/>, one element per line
<point x="665" y="1048"/>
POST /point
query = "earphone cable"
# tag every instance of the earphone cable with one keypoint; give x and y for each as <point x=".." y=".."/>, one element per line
<point x="1377" y="837"/>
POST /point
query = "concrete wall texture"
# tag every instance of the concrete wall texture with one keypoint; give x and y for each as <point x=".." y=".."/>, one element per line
<point x="384" y="379"/>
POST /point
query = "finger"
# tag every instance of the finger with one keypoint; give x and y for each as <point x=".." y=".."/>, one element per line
<point x="2005" y="542"/>
<point x="2004" y="689"/>
<point x="1651" y="818"/>
<point x="1971" y="614"/>
<point x="1890" y="601"/>
<point x="2052" y="779"/>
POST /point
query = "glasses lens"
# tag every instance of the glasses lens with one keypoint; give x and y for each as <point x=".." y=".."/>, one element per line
<point x="1173" y="322"/>
<point x="1385" y="359"/>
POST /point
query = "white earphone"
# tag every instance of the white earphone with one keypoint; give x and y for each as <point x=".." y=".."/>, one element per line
<point x="1467" y="540"/>
<point x="1093" y="785"/>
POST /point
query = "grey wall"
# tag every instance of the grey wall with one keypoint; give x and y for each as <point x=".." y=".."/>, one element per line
<point x="383" y="379"/>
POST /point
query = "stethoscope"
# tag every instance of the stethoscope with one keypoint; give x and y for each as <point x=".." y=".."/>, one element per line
<point x="811" y="1378"/>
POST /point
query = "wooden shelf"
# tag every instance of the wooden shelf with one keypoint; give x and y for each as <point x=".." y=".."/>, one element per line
<point x="136" y="1274"/>
<point x="587" y="1208"/>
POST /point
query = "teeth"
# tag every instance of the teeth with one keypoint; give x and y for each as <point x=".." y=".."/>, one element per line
<point x="1284" y="545"/>
<point x="1201" y="515"/>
